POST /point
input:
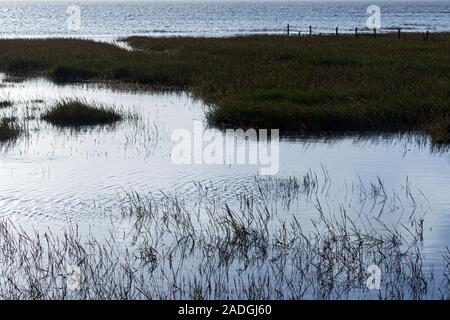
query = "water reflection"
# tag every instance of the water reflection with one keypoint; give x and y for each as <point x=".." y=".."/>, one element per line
<point x="50" y="175"/>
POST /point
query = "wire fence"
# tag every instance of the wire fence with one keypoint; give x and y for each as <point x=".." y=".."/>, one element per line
<point x="300" y="31"/>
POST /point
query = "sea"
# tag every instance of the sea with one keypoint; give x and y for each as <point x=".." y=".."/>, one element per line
<point x="116" y="19"/>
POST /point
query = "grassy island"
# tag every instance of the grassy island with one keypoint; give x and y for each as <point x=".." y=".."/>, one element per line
<point x="318" y="84"/>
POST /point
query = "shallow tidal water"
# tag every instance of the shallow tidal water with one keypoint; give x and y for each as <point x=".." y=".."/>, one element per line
<point x="52" y="176"/>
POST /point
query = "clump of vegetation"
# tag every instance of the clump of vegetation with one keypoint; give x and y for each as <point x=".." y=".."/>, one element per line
<point x="67" y="74"/>
<point x="9" y="130"/>
<point x="76" y="113"/>
<point x="440" y="130"/>
<point x="20" y="66"/>
<point x="316" y="84"/>
<point x="5" y="104"/>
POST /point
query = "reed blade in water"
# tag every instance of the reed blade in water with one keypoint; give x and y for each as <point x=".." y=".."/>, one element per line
<point x="213" y="249"/>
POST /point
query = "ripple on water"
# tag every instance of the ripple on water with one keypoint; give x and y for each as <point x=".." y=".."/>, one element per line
<point x="51" y="175"/>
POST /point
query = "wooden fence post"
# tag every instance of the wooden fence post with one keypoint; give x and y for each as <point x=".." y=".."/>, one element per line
<point x="288" y="30"/>
<point x="356" y="32"/>
<point x="427" y="35"/>
<point x="399" y="30"/>
<point x="337" y="31"/>
<point x="375" y="32"/>
<point x="310" y="30"/>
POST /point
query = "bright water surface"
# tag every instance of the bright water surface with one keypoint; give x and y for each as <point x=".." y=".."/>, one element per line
<point x="108" y="20"/>
<point x="52" y="175"/>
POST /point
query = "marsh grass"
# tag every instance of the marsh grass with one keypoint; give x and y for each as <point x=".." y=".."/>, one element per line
<point x="440" y="130"/>
<point x="219" y="250"/>
<point x="78" y="113"/>
<point x="9" y="129"/>
<point x="6" y="104"/>
<point x="322" y="84"/>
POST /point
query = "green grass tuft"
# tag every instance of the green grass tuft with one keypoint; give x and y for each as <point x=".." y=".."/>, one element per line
<point x="67" y="74"/>
<point x="440" y="130"/>
<point x="6" y="104"/>
<point x="9" y="130"/>
<point x="76" y="113"/>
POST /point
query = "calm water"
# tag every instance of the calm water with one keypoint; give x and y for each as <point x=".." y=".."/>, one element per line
<point x="108" y="20"/>
<point x="51" y="175"/>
